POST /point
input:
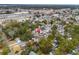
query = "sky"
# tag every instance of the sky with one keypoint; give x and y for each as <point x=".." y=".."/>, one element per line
<point x="39" y="2"/>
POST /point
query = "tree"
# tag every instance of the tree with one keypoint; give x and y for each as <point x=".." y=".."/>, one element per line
<point x="50" y="38"/>
<point x="45" y="46"/>
<point x="5" y="51"/>
<point x="15" y="29"/>
<point x="44" y="21"/>
<point x="65" y="46"/>
<point x="54" y="30"/>
<point x="8" y="12"/>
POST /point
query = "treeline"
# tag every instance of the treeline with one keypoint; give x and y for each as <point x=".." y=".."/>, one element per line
<point x="24" y="6"/>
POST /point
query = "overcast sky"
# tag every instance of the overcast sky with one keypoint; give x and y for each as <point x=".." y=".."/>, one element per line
<point x="39" y="1"/>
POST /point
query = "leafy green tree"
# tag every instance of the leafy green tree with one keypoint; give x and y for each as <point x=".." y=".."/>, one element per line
<point x="50" y="38"/>
<point x="5" y="51"/>
<point x="16" y="29"/>
<point x="45" y="46"/>
<point x="65" y="46"/>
